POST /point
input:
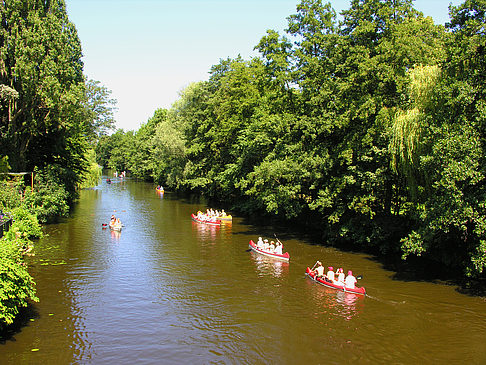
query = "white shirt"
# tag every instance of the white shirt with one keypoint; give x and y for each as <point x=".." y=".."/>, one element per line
<point x="350" y="282"/>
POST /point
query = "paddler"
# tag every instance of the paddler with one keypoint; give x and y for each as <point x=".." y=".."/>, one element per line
<point x="260" y="243"/>
<point x="350" y="281"/>
<point x="319" y="271"/>
<point x="330" y="274"/>
<point x="340" y="276"/>
<point x="278" y="248"/>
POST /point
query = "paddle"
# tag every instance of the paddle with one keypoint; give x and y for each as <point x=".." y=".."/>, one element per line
<point x="314" y="265"/>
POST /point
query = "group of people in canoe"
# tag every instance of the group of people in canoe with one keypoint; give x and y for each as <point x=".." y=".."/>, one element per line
<point x="215" y="213"/>
<point x="270" y="247"/>
<point x="336" y="278"/>
<point x="115" y="223"/>
<point x="211" y="215"/>
<point x="205" y="217"/>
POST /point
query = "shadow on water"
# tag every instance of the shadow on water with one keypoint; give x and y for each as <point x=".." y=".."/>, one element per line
<point x="23" y="319"/>
<point x="414" y="269"/>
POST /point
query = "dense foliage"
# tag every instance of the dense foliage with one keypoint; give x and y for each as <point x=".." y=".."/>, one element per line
<point x="17" y="287"/>
<point x="51" y="117"/>
<point x="370" y="128"/>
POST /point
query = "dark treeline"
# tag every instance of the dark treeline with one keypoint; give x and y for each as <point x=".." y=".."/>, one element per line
<point x="369" y="127"/>
<point x="51" y="117"/>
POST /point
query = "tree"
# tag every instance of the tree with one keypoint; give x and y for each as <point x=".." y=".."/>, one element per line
<point x="101" y="109"/>
<point x="41" y="74"/>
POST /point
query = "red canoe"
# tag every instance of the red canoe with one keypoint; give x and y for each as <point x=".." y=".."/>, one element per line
<point x="215" y="223"/>
<point x="323" y="281"/>
<point x="284" y="256"/>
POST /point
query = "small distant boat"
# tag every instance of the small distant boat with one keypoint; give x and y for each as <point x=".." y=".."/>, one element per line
<point x="116" y="227"/>
<point x="216" y="222"/>
<point x="108" y="181"/>
<point x="226" y="218"/>
<point x="160" y="190"/>
<point x="285" y="256"/>
<point x="324" y="282"/>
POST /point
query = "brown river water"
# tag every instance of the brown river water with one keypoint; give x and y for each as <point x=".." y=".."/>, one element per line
<point x="167" y="290"/>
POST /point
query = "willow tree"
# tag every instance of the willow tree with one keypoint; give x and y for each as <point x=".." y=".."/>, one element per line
<point x="408" y="133"/>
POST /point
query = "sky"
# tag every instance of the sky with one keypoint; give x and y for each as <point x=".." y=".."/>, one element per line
<point x="147" y="51"/>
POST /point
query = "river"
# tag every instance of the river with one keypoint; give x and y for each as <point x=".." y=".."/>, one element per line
<point x="167" y="290"/>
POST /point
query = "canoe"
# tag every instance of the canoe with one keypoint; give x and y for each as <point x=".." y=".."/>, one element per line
<point x="323" y="281"/>
<point x="116" y="227"/>
<point x="254" y="247"/>
<point x="195" y="218"/>
<point x="225" y="218"/>
<point x="159" y="190"/>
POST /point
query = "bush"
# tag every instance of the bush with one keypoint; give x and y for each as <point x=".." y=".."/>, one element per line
<point x="25" y="225"/>
<point x="17" y="287"/>
<point x="50" y="199"/>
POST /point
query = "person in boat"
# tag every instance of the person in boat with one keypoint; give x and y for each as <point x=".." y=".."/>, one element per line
<point x="265" y="244"/>
<point x="350" y="281"/>
<point x="279" y="248"/>
<point x="271" y="248"/>
<point x="340" y="276"/>
<point x="112" y="220"/>
<point x="330" y="274"/>
<point x="260" y="243"/>
<point x="223" y="214"/>
<point x="319" y="271"/>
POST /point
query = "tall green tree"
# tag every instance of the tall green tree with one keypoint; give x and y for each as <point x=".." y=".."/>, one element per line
<point x="42" y="83"/>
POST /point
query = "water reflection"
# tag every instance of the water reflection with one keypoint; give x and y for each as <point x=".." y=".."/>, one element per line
<point x="269" y="266"/>
<point x="115" y="235"/>
<point x="338" y="303"/>
<point x="205" y="231"/>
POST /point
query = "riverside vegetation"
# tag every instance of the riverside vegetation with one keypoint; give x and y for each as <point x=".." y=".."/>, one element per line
<point x="51" y="117"/>
<point x="369" y="127"/>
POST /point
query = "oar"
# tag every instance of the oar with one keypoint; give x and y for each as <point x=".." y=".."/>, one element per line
<point x="314" y="265"/>
<point x="278" y="241"/>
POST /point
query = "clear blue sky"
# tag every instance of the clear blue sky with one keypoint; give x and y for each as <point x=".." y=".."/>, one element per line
<point x="146" y="51"/>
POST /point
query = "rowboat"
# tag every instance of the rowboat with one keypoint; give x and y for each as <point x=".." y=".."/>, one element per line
<point x="215" y="223"/>
<point x="160" y="190"/>
<point x="254" y="247"/>
<point x="329" y="284"/>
